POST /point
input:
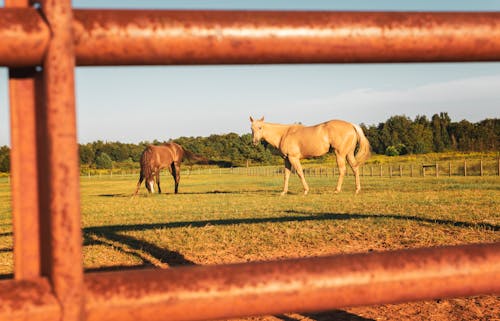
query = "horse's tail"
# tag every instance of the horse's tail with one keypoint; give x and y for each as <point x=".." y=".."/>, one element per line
<point x="364" y="149"/>
<point x="146" y="172"/>
<point x="197" y="159"/>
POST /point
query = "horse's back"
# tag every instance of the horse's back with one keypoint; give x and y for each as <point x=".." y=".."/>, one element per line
<point x="316" y="140"/>
<point x="167" y="153"/>
<point x="305" y="141"/>
<point x="342" y="134"/>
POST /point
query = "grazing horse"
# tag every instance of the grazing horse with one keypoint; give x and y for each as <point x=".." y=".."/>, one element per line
<point x="296" y="142"/>
<point x="155" y="158"/>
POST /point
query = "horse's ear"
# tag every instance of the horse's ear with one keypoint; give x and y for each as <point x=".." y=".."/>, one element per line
<point x="262" y="119"/>
<point x="251" y="119"/>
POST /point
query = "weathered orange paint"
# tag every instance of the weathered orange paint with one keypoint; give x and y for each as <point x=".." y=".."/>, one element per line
<point x="61" y="243"/>
<point x="299" y="285"/>
<point x="27" y="300"/>
<point x="162" y="37"/>
<point x="23" y="83"/>
<point x="121" y="37"/>
<point x="24" y="35"/>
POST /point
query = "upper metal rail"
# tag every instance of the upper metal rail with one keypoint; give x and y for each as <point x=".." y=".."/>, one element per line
<point x="162" y="37"/>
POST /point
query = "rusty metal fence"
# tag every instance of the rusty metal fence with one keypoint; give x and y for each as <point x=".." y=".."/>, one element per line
<point x="41" y="46"/>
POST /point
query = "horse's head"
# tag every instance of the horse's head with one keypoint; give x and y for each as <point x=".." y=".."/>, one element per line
<point x="257" y="131"/>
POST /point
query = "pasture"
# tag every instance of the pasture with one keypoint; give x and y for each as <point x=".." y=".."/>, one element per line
<point x="229" y="218"/>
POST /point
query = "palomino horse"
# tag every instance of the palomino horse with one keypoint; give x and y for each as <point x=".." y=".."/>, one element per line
<point x="155" y="158"/>
<point x="296" y="142"/>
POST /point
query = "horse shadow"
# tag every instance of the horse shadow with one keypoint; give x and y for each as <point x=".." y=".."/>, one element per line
<point x="125" y="195"/>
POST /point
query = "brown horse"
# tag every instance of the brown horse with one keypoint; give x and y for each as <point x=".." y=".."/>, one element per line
<point x="155" y="158"/>
<point x="296" y="142"/>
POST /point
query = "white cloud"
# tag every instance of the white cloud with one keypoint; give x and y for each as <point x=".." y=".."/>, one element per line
<point x="470" y="98"/>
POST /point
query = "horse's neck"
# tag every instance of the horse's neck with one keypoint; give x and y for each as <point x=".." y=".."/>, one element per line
<point x="274" y="132"/>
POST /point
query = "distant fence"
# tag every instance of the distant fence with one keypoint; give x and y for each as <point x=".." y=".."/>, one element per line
<point x="477" y="167"/>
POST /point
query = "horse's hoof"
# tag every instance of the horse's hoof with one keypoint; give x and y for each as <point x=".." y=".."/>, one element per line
<point x="336" y="191"/>
<point x="283" y="193"/>
<point x="305" y="192"/>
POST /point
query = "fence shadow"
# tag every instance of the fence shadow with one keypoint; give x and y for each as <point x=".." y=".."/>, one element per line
<point x="150" y="254"/>
<point x="487" y="226"/>
<point x="109" y="236"/>
<point x="299" y="216"/>
<point x="334" y="315"/>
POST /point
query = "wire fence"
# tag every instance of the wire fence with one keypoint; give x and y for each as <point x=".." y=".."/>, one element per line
<point x="392" y="170"/>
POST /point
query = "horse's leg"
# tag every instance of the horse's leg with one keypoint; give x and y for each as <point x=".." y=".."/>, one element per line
<point x="141" y="178"/>
<point x="288" y="169"/>
<point x="176" y="174"/>
<point x="355" y="168"/>
<point x="298" y="167"/>
<point x="341" y="166"/>
<point x="158" y="182"/>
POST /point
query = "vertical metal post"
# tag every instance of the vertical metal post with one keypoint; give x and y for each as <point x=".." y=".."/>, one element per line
<point x="437" y="169"/>
<point x="25" y="209"/>
<point x="449" y="169"/>
<point x="465" y="167"/>
<point x="481" y="167"/>
<point x="61" y="230"/>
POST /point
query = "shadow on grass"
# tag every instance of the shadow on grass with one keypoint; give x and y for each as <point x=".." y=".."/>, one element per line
<point x="305" y="216"/>
<point x="334" y="315"/>
<point x="142" y="195"/>
<point x="151" y="254"/>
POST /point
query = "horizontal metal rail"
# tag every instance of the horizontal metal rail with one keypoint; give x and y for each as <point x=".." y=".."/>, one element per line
<point x="259" y="288"/>
<point x="28" y="300"/>
<point x="24" y="37"/>
<point x="160" y="37"/>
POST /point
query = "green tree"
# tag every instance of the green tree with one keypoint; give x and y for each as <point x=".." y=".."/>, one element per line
<point x="440" y="124"/>
<point x="391" y="151"/>
<point x="4" y="159"/>
<point x="87" y="154"/>
<point x="103" y="161"/>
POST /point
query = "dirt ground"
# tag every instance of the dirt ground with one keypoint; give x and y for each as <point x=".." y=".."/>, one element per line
<point x="480" y="308"/>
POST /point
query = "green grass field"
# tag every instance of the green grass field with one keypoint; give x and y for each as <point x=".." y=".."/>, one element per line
<point x="237" y="218"/>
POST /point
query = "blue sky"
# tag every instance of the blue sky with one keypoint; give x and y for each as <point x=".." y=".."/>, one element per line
<point x="132" y="104"/>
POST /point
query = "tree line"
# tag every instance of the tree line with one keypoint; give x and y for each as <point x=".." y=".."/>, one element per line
<point x="398" y="135"/>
